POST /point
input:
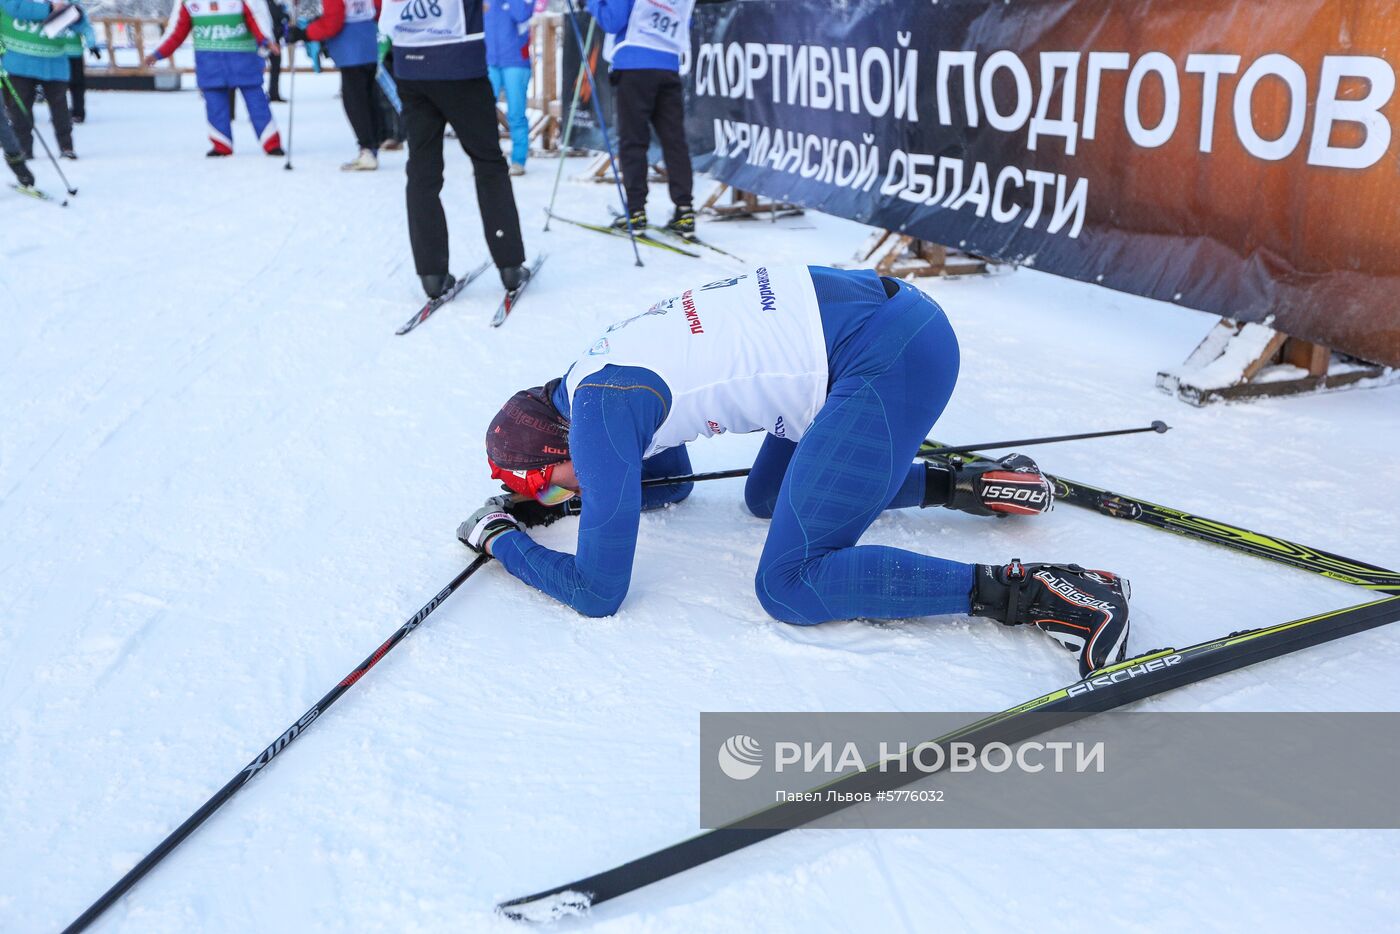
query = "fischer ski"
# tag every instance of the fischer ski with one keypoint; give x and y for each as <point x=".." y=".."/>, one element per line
<point x="433" y="304"/>
<point x="642" y="237"/>
<point x="1280" y="550"/>
<point x="38" y="194"/>
<point x="1108" y="688"/>
<point x="508" y="303"/>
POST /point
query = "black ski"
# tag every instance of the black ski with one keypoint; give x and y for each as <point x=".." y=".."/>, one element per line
<point x="433" y="304"/>
<point x="642" y="237"/>
<point x="1281" y="550"/>
<point x="38" y="194"/>
<point x="508" y="303"/>
<point x="1106" y="689"/>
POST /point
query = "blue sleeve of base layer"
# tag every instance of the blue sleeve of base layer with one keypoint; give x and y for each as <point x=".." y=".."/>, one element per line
<point x="612" y="15"/>
<point x="615" y="414"/>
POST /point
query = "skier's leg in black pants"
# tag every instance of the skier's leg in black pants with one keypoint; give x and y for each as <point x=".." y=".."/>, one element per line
<point x="669" y="119"/>
<point x="357" y="94"/>
<point x="21" y="117"/>
<point x="635" y="96"/>
<point x="427" y="224"/>
<point x="274" y="77"/>
<point x="56" y="93"/>
<point x="77" y="86"/>
<point x="471" y="109"/>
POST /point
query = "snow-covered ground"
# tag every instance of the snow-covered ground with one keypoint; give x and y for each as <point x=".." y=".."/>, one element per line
<point x="223" y="481"/>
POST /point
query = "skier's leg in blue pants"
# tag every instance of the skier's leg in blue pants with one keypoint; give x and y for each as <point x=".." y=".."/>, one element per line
<point x="851" y="464"/>
<point x="260" y="112"/>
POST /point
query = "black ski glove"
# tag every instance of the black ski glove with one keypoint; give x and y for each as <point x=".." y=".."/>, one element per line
<point x="96" y="54"/>
<point x="296" y="34"/>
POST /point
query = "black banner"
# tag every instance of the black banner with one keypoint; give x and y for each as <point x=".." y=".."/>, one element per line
<point x="1214" y="154"/>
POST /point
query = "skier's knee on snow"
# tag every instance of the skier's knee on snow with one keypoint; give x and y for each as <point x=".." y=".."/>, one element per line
<point x="785" y="594"/>
<point x="658" y="496"/>
<point x="760" y="502"/>
<point x="766" y="478"/>
<point x="595" y="606"/>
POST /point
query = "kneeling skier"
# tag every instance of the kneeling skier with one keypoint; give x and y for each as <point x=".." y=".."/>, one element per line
<point x="846" y="371"/>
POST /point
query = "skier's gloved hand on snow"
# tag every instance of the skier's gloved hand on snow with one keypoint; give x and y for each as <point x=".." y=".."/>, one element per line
<point x="1011" y="486"/>
<point x="484" y="525"/>
<point x="1085" y="611"/>
<point x="531" y="513"/>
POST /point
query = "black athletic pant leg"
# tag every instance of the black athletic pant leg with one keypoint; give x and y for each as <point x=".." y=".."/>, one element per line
<point x="56" y="93"/>
<point x="471" y="109"/>
<point x="635" y="98"/>
<point x="668" y="116"/>
<point x="274" y="76"/>
<point x="24" y="130"/>
<point x="427" y="224"/>
<point x="357" y="94"/>
<point x="77" y="86"/>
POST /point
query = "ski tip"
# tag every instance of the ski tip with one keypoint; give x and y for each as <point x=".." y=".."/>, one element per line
<point x="1160" y="427"/>
<point x="543" y="909"/>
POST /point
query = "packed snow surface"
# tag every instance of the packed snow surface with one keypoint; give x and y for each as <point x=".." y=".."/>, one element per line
<point x="224" y="481"/>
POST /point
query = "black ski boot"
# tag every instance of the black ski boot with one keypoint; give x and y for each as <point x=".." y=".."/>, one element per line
<point x="638" y="219"/>
<point x="437" y="285"/>
<point x="1085" y="611"/>
<point x="216" y="154"/>
<point x="16" y="164"/>
<point x="683" y="221"/>
<point x="514" y="277"/>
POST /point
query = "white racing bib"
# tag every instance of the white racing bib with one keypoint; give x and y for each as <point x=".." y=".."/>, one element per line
<point x="740" y="354"/>
<point x="359" y="11"/>
<point x="412" y="23"/>
<point x="658" y="24"/>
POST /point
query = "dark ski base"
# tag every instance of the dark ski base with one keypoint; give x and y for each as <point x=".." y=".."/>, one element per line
<point x="434" y="304"/>
<point x="1106" y="689"/>
<point x="38" y="194"/>
<point x="508" y="303"/>
<point x="643" y="238"/>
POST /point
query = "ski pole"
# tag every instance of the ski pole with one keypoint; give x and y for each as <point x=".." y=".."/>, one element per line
<point x="291" y="92"/>
<point x="598" y="112"/>
<point x="317" y="710"/>
<point x="929" y="449"/>
<point x="932" y="447"/>
<point x="34" y="129"/>
<point x="569" y="126"/>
